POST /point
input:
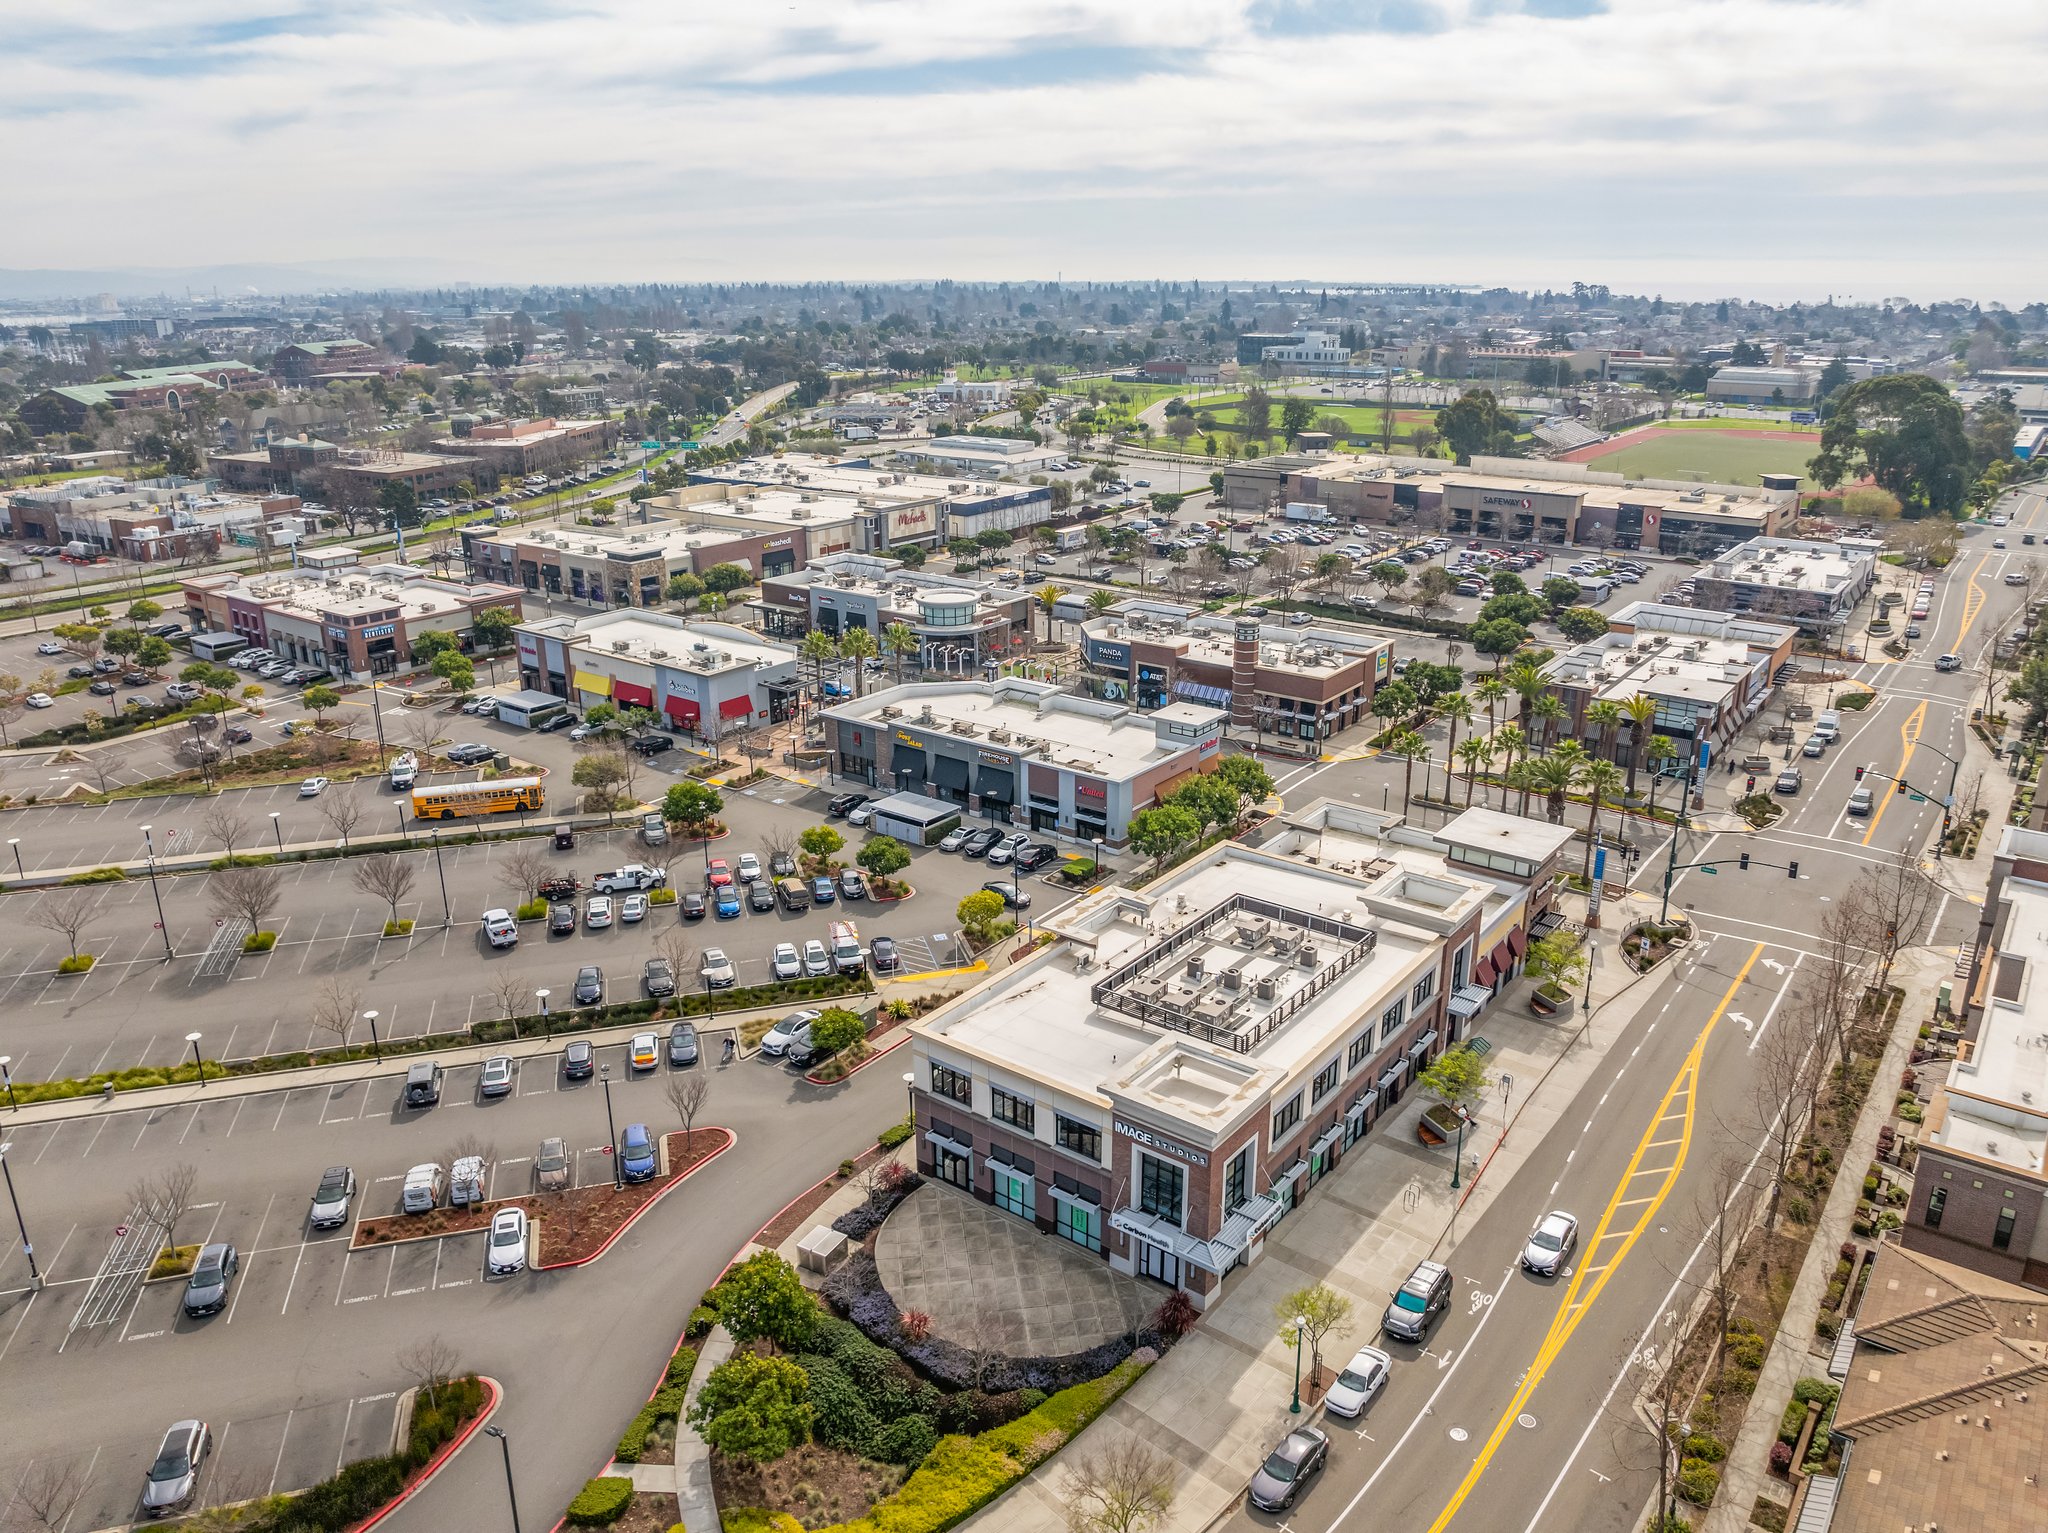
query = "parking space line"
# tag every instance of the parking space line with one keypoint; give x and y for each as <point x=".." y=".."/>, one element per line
<point x="278" y="1468"/>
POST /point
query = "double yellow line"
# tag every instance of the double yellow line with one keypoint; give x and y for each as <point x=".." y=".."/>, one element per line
<point x="1669" y="1128"/>
<point x="1909" y="736"/>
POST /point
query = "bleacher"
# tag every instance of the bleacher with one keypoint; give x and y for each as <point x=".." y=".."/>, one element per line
<point x="1564" y="433"/>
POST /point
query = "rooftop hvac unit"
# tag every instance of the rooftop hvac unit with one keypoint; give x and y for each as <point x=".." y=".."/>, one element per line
<point x="620" y="646"/>
<point x="892" y="712"/>
<point x="658" y="654"/>
<point x="1305" y="956"/>
<point x="1264" y="988"/>
<point x="925" y="715"/>
<point x="1196" y="970"/>
<point x="1233" y="978"/>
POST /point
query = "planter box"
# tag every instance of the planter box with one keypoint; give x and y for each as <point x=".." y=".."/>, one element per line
<point x="1555" y="1010"/>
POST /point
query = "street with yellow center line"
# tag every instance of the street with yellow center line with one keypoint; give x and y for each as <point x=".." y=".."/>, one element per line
<point x="1909" y="736"/>
<point x="1652" y="1172"/>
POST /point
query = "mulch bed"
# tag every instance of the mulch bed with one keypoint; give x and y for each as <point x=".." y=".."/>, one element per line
<point x="576" y="1223"/>
<point x="817" y="1485"/>
<point x="648" y="1512"/>
<point x="794" y="1217"/>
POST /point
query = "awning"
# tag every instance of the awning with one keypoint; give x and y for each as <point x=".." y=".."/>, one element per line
<point x="947" y="1142"/>
<point x="1244" y="1224"/>
<point x="637" y="696"/>
<point x="905" y="760"/>
<point x="1073" y="1199"/>
<point x="740" y="707"/>
<point x="949" y="772"/>
<point x="1326" y="1138"/>
<point x="998" y="783"/>
<point x="1518" y="942"/>
<point x="1020" y="1164"/>
<point x="1292" y="1171"/>
<point x="1391" y="1076"/>
<point x="1482" y="972"/>
<point x="1355" y="1113"/>
<point x="1502" y="955"/>
<point x="1202" y="692"/>
<point x="1421" y="1045"/>
<point x="591" y="681"/>
<point x="1466" y="1002"/>
<point x="683" y="710"/>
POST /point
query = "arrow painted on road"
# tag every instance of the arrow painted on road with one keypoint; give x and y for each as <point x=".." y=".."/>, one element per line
<point x="1747" y="1025"/>
<point x="1774" y="966"/>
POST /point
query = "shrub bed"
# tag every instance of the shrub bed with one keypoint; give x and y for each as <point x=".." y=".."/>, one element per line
<point x="601" y="1502"/>
<point x="898" y="1183"/>
<point x="77" y="963"/>
<point x="666" y="1405"/>
<point x="362" y="1488"/>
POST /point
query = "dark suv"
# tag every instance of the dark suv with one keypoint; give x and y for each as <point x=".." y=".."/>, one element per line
<point x="1417" y="1302"/>
<point x="1036" y="856"/>
<point x="561" y="919"/>
<point x="653" y="745"/>
<point x="423" y="1084"/>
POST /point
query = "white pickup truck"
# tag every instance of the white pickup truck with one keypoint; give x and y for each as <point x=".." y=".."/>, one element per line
<point x="634" y="875"/>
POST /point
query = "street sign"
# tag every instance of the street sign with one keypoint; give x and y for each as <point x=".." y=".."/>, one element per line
<point x="1711" y="872"/>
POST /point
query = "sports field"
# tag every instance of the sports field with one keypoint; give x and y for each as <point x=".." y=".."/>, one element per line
<point x="1721" y="457"/>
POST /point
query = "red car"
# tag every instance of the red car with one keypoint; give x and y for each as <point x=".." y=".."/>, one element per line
<point x="720" y="876"/>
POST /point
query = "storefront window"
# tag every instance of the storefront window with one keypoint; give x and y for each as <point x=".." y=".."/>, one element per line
<point x="1160" y="1189"/>
<point x="1015" y="1193"/>
<point x="1079" y="1223"/>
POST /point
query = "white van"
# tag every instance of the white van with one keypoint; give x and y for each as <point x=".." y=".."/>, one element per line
<point x="466" y="1182"/>
<point x="1828" y="726"/>
<point x="423" y="1187"/>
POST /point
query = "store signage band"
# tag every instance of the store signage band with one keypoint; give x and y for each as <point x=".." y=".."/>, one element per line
<point x="910" y="740"/>
<point x="1153" y="1141"/>
<point x="995" y="758"/>
<point x="381" y="631"/>
<point x="1521" y="501"/>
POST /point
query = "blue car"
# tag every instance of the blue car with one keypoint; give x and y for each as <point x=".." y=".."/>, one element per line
<point x="636" y="1153"/>
<point x="823" y="891"/>
<point x="728" y="902"/>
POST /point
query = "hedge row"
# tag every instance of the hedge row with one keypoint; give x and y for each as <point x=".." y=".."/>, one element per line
<point x="338" y="1504"/>
<point x="667" y="1405"/>
<point x="601" y="1502"/>
<point x="584" y="1020"/>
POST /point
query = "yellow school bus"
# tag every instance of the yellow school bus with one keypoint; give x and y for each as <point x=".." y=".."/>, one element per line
<point x="459" y="800"/>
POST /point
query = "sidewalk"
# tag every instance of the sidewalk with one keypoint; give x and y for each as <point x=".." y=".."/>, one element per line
<point x="1218" y="1401"/>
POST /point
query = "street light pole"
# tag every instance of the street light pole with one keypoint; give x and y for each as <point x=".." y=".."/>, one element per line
<point x="193" y="1039"/>
<point x="511" y="1494"/>
<point x="447" y="919"/>
<point x="1298" y="1326"/>
<point x="149" y="849"/>
<point x="28" y="1248"/>
<point x="15" y="843"/>
<point x="376" y="1048"/>
<point x="604" y="1073"/>
<point x="1458" y="1154"/>
<point x="277" y="830"/>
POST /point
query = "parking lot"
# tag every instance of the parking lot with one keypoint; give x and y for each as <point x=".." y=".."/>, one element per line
<point x="135" y="1007"/>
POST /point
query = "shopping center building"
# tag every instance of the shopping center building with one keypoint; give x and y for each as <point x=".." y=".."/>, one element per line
<point x="1185" y="1064"/>
<point x="704" y="679"/>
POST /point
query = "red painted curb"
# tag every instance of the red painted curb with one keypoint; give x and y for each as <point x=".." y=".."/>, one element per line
<point x="612" y="1239"/>
<point x="850" y="1074"/>
<point x="434" y="1465"/>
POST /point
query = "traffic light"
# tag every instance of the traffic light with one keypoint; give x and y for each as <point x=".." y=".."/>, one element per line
<point x="1859" y="773"/>
<point x="1743" y="862"/>
<point x="1901" y="788"/>
<point x="1792" y="870"/>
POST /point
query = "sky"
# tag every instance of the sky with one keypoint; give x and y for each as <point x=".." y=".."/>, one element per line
<point x="1695" y="148"/>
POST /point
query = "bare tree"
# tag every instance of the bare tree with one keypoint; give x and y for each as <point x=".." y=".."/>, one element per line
<point x="1898" y="900"/>
<point x="225" y="826"/>
<point x="342" y="812"/>
<point x="46" y="1493"/>
<point x="163" y="1198"/>
<point x="386" y="876"/>
<point x="335" y="1008"/>
<point x="686" y="1091"/>
<point x="419" y="728"/>
<point x="1126" y="1487"/>
<point x="1840" y="974"/>
<point x="1786" y="1087"/>
<point x="429" y="1361"/>
<point x="472" y="1144"/>
<point x="675" y="945"/>
<point x="105" y="766"/>
<point x="68" y="913"/>
<point x="781" y="843"/>
<point x="250" y="893"/>
<point x="513" y="992"/>
<point x="1721" y="1207"/>
<point x="522" y="869"/>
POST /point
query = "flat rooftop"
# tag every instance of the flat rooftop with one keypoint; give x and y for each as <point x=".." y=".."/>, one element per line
<point x="831" y="477"/>
<point x="357" y="591"/>
<point x="1703" y="622"/>
<point x="652" y="638"/>
<point x="1790" y="563"/>
<point x="1078" y="732"/>
<point x="1996" y="1104"/>
<point x="1617" y="666"/>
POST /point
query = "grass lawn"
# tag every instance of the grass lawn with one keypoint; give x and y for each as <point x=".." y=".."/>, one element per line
<point x="1712" y="456"/>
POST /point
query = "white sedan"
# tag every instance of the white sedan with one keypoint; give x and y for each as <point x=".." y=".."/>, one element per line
<point x="785" y="964"/>
<point x="507" y="1248"/>
<point x="1362" y="1379"/>
<point x="718" y="971"/>
<point x="1550" y="1243"/>
<point x="40" y="700"/>
<point x="633" y="908"/>
<point x="49" y="647"/>
<point x="312" y="787"/>
<point x="597" y="912"/>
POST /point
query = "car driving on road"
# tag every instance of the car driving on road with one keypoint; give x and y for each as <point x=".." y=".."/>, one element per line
<point x="1550" y="1244"/>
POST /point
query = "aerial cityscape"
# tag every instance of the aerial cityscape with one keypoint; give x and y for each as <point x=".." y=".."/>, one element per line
<point x="1062" y="769"/>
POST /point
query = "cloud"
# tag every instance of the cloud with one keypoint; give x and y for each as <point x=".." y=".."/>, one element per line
<point x="1816" y="144"/>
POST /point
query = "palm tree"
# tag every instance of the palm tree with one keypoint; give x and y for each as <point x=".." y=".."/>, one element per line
<point x="1553" y="776"/>
<point x="1641" y="711"/>
<point x="1600" y="779"/>
<point x="1454" y="708"/>
<point x="1519" y="778"/>
<point x="1512" y="745"/>
<point x="901" y="640"/>
<point x="1607" y="718"/>
<point x="1545" y="717"/>
<point x="1102" y="601"/>
<point x="1490" y="690"/>
<point x="821" y="649"/>
<point x="1048" y="598"/>
<point x="1409" y="746"/>
<point x="859" y="646"/>
<point x="1657" y="752"/>
<point x="1525" y="679"/>
<point x="1475" y="754"/>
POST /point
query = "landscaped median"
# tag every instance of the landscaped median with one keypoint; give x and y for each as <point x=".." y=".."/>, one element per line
<point x="588" y="1019"/>
<point x="571" y="1227"/>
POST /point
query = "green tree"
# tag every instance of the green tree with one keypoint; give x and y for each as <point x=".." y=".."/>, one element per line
<point x="1295" y="415"/>
<point x="1457" y="1077"/>
<point x="1498" y="638"/>
<point x="902" y="641"/>
<point x="763" y="1297"/>
<point x="220" y="682"/>
<point x="883" y="856"/>
<point x="1408" y="747"/>
<point x="1160" y="833"/>
<point x="820" y="841"/>
<point x="399" y="503"/>
<point x="1602" y="780"/>
<point x="1553" y="776"/>
<point x="143" y="610"/>
<point x="1256" y="414"/>
<point x="122" y="641"/>
<point x="1508" y="583"/>
<point x="603" y="776"/>
<point x="727" y="578"/>
<point x="1579" y="624"/>
<point x="1209" y="801"/>
<point x="319" y="699"/>
<point x="1517" y="607"/>
<point x="858" y="645"/>
<point x="153" y="654"/>
<point x="1243" y="775"/>
<point x="691" y="806"/>
<point x="1904" y="430"/>
<point x="492" y="627"/>
<point x="453" y="667"/>
<point x="1433" y="586"/>
<point x="1641" y="711"/>
<point x="1559" y="592"/>
<point x="1314" y="1315"/>
<point x="1394" y="700"/>
<point x="1475" y="754"/>
<point x="1389" y="575"/>
<point x="685" y="587"/>
<point x="979" y="913"/>
<point x="836" y="1029"/>
<point x="1472" y="423"/>
<point x="753" y="1409"/>
<point x="425" y="646"/>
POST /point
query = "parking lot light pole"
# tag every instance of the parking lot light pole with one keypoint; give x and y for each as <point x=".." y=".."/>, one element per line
<point x="441" y="873"/>
<point x="1298" y="1325"/>
<point x="376" y="1048"/>
<point x="28" y="1248"/>
<point x="149" y="850"/>
<point x="604" y="1073"/>
<point x="1097" y="870"/>
<point x="15" y="843"/>
<point x="277" y="830"/>
<point x="910" y="1112"/>
<point x="193" y="1039"/>
<point x="400" y="807"/>
<point x="542" y="997"/>
<point x="7" y="1075"/>
<point x="511" y="1494"/>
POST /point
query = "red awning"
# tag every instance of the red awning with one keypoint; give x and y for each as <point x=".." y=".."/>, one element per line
<point x="736" y="708"/>
<point x="1518" y="942"/>
<point x="683" y="710"/>
<point x="638" y="697"/>
<point x="1483" y="974"/>
<point x="1501" y="958"/>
